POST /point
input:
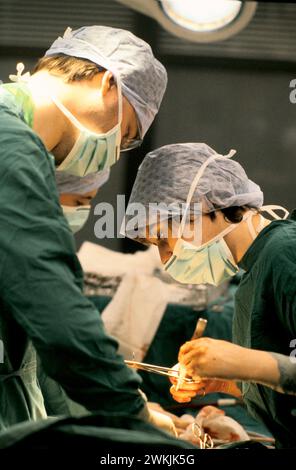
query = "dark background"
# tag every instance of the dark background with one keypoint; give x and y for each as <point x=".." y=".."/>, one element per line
<point x="232" y="94"/>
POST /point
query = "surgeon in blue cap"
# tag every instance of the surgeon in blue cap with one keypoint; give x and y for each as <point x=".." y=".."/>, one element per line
<point x="76" y="195"/>
<point x="93" y="95"/>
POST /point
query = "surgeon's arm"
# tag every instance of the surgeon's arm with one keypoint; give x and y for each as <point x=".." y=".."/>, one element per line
<point x="215" y="359"/>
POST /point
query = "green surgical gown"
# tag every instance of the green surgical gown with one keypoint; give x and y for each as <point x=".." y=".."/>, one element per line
<point x="265" y="319"/>
<point x="41" y="303"/>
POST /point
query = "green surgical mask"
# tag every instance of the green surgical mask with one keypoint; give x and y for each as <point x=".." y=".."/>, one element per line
<point x="76" y="216"/>
<point x="92" y="152"/>
<point x="211" y="263"/>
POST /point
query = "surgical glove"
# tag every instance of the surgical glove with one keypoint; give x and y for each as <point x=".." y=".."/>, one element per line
<point x="187" y="391"/>
<point x="162" y="421"/>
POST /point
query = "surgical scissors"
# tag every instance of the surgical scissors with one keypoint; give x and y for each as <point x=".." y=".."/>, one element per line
<point x="204" y="439"/>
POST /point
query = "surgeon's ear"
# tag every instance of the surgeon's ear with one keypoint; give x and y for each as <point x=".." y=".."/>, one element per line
<point x="107" y="83"/>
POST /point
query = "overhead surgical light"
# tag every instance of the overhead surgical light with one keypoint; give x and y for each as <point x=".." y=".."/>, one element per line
<point x="198" y="20"/>
<point x="201" y="15"/>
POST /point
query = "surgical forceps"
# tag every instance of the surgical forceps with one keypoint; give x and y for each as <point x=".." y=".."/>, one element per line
<point x="167" y="371"/>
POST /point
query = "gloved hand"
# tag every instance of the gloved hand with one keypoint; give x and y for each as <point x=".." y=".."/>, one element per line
<point x="202" y="387"/>
<point x="179" y="423"/>
<point x="162" y="421"/>
<point x="154" y="415"/>
<point x="213" y="358"/>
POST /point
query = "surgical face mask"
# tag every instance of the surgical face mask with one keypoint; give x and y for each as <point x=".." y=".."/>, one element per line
<point x="76" y="216"/>
<point x="92" y="152"/>
<point x="210" y="263"/>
